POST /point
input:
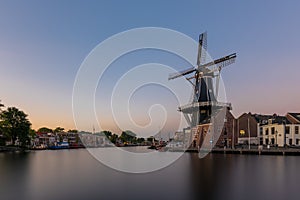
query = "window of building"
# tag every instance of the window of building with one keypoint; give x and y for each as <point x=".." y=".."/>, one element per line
<point x="290" y="141"/>
<point x="273" y="141"/>
<point x="242" y="132"/>
<point x="296" y="129"/>
<point x="273" y="130"/>
<point x="261" y="130"/>
<point x="297" y="141"/>
<point x="225" y="131"/>
<point x="287" y="130"/>
<point x="267" y="131"/>
<point x="267" y="141"/>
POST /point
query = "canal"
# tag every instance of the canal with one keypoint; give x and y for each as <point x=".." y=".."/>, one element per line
<point x="75" y="174"/>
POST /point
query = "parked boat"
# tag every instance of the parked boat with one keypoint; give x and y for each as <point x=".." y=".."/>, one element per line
<point x="59" y="145"/>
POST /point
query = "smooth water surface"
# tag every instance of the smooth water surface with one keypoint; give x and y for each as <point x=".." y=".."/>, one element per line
<point x="75" y="174"/>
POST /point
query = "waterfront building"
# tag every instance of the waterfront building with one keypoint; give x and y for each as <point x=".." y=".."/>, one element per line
<point x="49" y="139"/>
<point x="94" y="140"/>
<point x="282" y="132"/>
<point x="44" y="139"/>
<point x="249" y="127"/>
<point x="229" y="136"/>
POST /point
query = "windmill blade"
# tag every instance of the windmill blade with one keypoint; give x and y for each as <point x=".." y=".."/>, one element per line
<point x="221" y="62"/>
<point x="217" y="86"/>
<point x="181" y="73"/>
<point x="202" y="48"/>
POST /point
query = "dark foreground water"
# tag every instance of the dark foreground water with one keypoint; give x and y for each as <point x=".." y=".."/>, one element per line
<point x="74" y="174"/>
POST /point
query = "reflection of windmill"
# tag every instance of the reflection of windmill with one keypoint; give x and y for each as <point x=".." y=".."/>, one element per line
<point x="204" y="97"/>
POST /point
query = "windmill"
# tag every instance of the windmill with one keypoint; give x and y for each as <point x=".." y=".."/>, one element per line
<point x="205" y="97"/>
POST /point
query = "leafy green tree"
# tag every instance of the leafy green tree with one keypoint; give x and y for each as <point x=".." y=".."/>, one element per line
<point x="114" y="138"/>
<point x="108" y="134"/>
<point x="72" y="131"/>
<point x="45" y="130"/>
<point x="140" y="140"/>
<point x="2" y="138"/>
<point x="1" y="106"/>
<point x="32" y="133"/>
<point x="15" y="125"/>
<point x="58" y="129"/>
<point x="127" y="136"/>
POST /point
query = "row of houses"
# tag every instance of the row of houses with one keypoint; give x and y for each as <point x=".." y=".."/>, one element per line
<point x="73" y="139"/>
<point x="248" y="129"/>
<point x="269" y="130"/>
<point x="50" y="139"/>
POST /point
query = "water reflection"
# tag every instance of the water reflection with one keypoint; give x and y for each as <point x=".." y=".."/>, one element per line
<point x="14" y="173"/>
<point x="75" y="174"/>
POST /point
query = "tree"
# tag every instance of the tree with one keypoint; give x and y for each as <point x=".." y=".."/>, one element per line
<point x="114" y="138"/>
<point x="32" y="133"/>
<point x="127" y="136"/>
<point x="15" y="125"/>
<point x="1" y="106"/>
<point x="2" y="138"/>
<point x="58" y="129"/>
<point x="140" y="140"/>
<point x="108" y="134"/>
<point x="45" y="130"/>
<point x="72" y="131"/>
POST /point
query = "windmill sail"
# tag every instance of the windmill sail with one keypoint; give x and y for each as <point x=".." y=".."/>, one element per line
<point x="181" y="73"/>
<point x="202" y="48"/>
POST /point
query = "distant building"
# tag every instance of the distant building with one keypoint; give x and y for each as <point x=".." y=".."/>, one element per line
<point x="93" y="140"/>
<point x="229" y="136"/>
<point x="249" y="127"/>
<point x="44" y="139"/>
<point x="283" y="131"/>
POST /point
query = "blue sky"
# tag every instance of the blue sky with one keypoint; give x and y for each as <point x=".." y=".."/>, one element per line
<point x="43" y="43"/>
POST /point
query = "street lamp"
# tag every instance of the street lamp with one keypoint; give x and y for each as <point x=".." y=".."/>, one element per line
<point x="284" y="133"/>
<point x="276" y="133"/>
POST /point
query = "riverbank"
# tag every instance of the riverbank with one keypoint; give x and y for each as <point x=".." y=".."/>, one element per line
<point x="274" y="151"/>
<point x="279" y="151"/>
<point x="23" y="149"/>
<point x="284" y="152"/>
<point x="12" y="149"/>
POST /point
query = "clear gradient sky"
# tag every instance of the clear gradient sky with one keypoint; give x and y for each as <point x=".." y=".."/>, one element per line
<point x="43" y="43"/>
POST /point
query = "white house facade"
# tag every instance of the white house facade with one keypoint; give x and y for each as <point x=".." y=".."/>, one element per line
<point x="281" y="134"/>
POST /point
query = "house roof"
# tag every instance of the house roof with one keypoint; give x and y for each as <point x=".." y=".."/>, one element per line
<point x="264" y="119"/>
<point x="295" y="116"/>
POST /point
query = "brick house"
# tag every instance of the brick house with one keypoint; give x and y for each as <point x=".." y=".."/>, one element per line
<point x="229" y="136"/>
